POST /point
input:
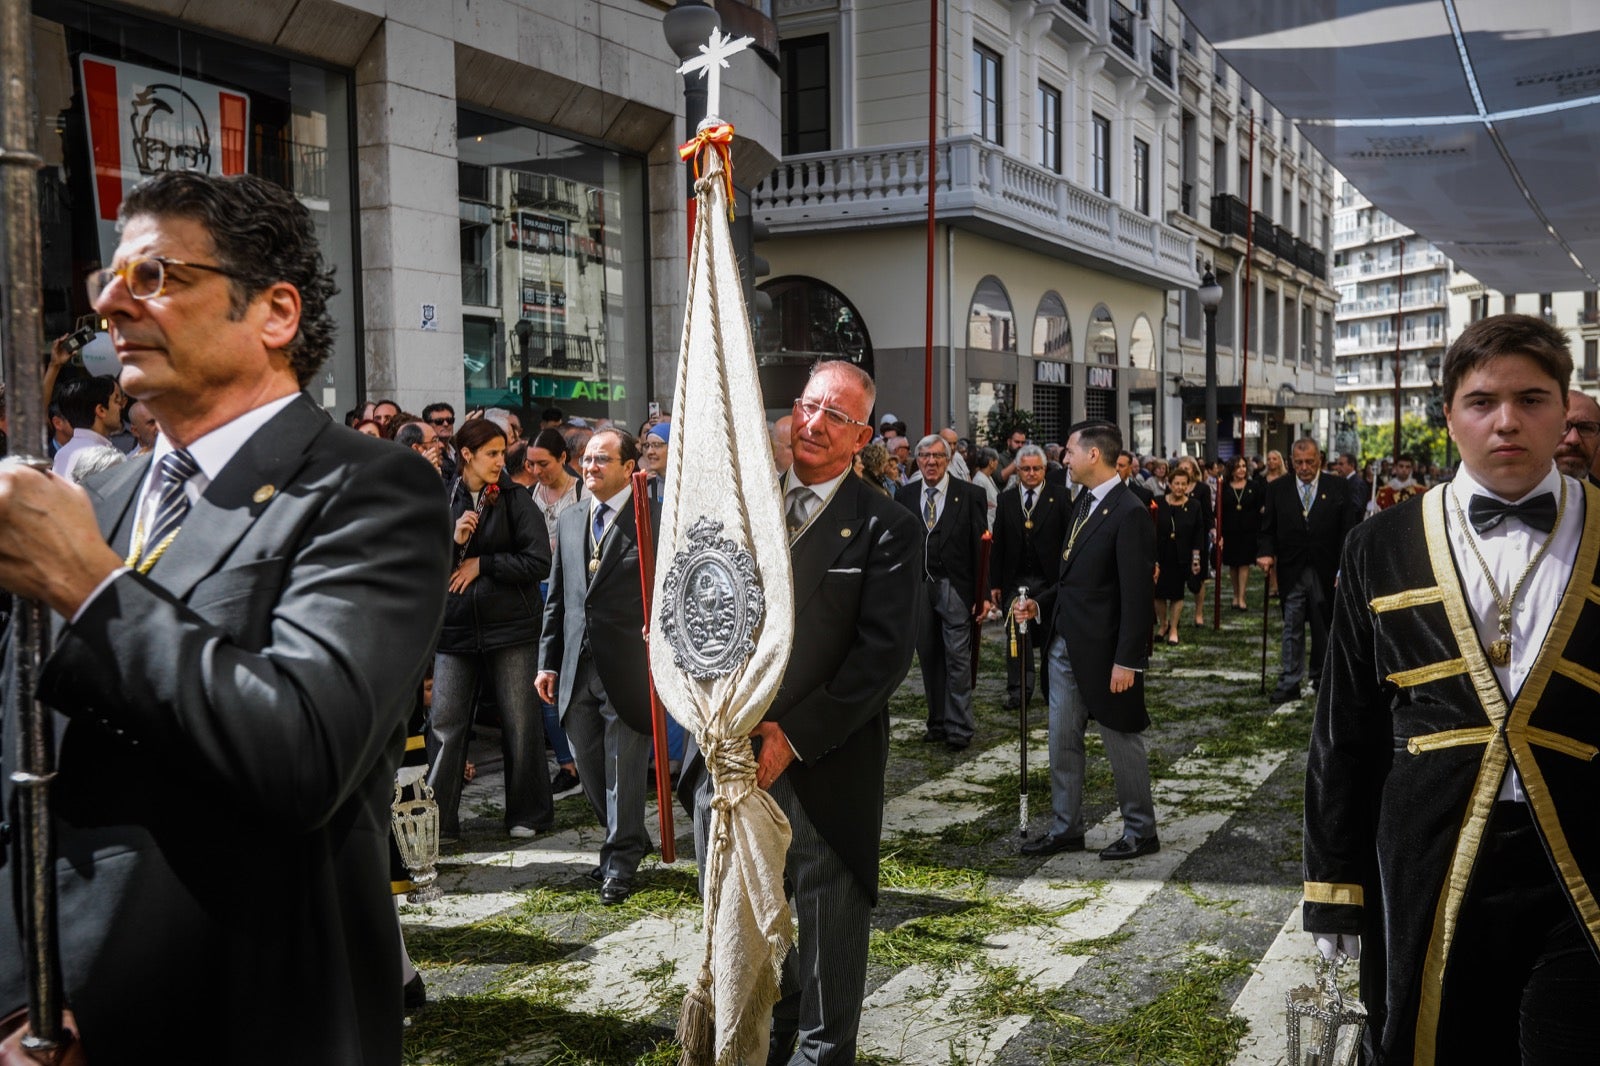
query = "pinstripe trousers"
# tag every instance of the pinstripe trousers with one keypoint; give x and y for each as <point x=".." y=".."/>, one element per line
<point x="825" y="975"/>
<point x="1130" y="767"/>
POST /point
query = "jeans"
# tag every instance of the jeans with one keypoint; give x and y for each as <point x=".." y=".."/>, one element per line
<point x="456" y="679"/>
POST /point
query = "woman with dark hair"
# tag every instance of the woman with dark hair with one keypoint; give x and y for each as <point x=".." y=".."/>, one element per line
<point x="491" y="634"/>
<point x="554" y="490"/>
<point x="1241" y="521"/>
<point x="1200" y="494"/>
<point x="1181" y="525"/>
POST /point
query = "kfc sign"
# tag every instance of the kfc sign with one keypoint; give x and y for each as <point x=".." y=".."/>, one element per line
<point x="143" y="121"/>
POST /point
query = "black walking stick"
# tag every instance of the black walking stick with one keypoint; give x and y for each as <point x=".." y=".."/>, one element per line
<point x="1266" y="607"/>
<point x="20" y="330"/>
<point x="1019" y="640"/>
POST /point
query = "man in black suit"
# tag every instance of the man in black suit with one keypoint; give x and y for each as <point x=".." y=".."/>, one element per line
<point x="594" y="604"/>
<point x="824" y="743"/>
<point x="1101" y="611"/>
<point x="955" y="515"/>
<point x="1345" y="466"/>
<point x="244" y="618"/>
<point x="1303" y="525"/>
<point x="1030" y="525"/>
<point x="1127" y="473"/>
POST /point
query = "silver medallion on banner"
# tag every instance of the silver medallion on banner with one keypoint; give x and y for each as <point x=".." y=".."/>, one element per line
<point x="711" y="604"/>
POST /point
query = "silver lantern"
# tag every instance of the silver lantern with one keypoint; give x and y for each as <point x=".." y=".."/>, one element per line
<point x="415" y="821"/>
<point x="1324" y="1028"/>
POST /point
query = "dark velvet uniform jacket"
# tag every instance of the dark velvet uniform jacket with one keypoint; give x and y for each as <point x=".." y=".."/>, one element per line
<point x="1411" y="741"/>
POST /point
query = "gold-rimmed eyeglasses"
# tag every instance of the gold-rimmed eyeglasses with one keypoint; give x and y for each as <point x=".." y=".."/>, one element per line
<point x="1584" y="429"/>
<point x="809" y="410"/>
<point x="145" y="276"/>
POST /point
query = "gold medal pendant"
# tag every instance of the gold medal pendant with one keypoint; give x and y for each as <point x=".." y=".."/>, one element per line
<point x="1238" y="507"/>
<point x="1500" y="652"/>
<point x="1028" y="524"/>
<point x="594" y="564"/>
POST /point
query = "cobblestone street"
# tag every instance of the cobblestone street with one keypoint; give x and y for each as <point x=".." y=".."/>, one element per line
<point x="979" y="955"/>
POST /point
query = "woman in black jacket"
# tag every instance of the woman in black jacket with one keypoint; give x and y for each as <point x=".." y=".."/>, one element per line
<point x="491" y="634"/>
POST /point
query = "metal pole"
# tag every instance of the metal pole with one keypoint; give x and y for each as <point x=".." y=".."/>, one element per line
<point x="20" y="331"/>
<point x="1211" y="383"/>
<point x="1399" y="312"/>
<point x="1249" y="275"/>
<point x="933" y="193"/>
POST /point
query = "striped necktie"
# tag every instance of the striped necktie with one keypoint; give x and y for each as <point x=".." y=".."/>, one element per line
<point x="599" y="526"/>
<point x="172" y="507"/>
<point x="930" y="514"/>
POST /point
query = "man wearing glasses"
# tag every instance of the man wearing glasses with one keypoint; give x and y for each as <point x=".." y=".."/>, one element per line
<point x="955" y="515"/>
<point x="442" y="417"/>
<point x="229" y="705"/>
<point x="1576" y="454"/>
<point x="592" y="660"/>
<point x="825" y="739"/>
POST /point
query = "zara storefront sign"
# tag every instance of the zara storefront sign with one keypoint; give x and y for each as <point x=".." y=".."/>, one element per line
<point x="1048" y="373"/>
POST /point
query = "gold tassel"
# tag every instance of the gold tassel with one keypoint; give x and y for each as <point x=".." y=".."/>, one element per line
<point x="697" y="1025"/>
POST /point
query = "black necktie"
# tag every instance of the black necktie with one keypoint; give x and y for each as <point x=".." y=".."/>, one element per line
<point x="1085" y="504"/>
<point x="1486" y="512"/>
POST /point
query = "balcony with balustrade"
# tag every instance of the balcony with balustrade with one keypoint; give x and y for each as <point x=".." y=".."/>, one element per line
<point x="1375" y="342"/>
<point x="981" y="187"/>
<point x="1431" y="299"/>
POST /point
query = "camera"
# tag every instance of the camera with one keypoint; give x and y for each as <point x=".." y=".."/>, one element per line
<point x="78" y="338"/>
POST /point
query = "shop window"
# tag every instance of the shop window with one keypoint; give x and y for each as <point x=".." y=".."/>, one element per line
<point x="1052" y="331"/>
<point x="1101" y="346"/>
<point x="126" y="97"/>
<point x="984" y="397"/>
<point x="991" y="327"/>
<point x="1142" y="344"/>
<point x="553" y="251"/>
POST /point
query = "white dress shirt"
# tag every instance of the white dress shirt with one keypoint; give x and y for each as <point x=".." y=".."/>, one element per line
<point x="823" y="490"/>
<point x="1507" y="549"/>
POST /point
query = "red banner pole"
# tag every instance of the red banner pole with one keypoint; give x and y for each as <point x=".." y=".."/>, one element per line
<point x="658" y="714"/>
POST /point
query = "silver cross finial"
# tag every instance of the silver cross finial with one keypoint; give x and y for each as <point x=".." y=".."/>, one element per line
<point x="710" y="63"/>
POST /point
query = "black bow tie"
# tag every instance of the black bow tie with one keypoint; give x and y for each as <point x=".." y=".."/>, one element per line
<point x="1486" y="512"/>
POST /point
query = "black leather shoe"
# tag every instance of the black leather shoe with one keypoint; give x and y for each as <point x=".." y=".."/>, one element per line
<point x="615" y="890"/>
<point x="597" y="875"/>
<point x="956" y="745"/>
<point x="1051" y="843"/>
<point x="1013" y="703"/>
<point x="930" y="737"/>
<point x="416" y="994"/>
<point x="1128" y="848"/>
<point x="1284" y="695"/>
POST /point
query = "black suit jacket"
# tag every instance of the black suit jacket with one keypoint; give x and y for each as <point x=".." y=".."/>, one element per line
<point x="607" y="610"/>
<point x="230" y="726"/>
<point x="1102" y="605"/>
<point x="857" y="594"/>
<point x="1296" y="541"/>
<point x="953" y="544"/>
<point x="1028" y="556"/>
<point x="1360" y="491"/>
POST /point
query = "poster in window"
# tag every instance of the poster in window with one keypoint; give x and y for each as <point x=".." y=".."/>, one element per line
<point x="144" y="121"/>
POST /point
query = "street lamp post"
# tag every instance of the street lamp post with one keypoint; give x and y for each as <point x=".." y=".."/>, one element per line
<point x="687" y="26"/>
<point x="1210" y="298"/>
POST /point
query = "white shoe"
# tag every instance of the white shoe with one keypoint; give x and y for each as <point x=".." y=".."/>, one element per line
<point x="522" y="832"/>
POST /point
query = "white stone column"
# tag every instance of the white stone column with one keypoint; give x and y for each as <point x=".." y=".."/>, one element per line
<point x="410" y="226"/>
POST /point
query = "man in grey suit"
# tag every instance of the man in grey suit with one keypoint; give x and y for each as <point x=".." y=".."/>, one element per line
<point x="824" y="742"/>
<point x="955" y="515"/>
<point x="1102" y="610"/>
<point x="595" y="603"/>
<point x="244" y="618"/>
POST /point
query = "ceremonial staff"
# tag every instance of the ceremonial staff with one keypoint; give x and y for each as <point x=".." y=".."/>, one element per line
<point x="1266" y="607"/>
<point x="1020" y="652"/>
<point x="20" y="329"/>
<point x="658" y="714"/>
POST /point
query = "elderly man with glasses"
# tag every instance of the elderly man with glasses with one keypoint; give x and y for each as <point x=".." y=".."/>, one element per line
<point x="1579" y="449"/>
<point x="955" y="516"/>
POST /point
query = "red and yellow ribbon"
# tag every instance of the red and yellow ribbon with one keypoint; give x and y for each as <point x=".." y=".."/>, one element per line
<point x="715" y="139"/>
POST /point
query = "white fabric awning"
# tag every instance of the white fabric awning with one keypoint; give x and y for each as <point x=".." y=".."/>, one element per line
<point x="1474" y="122"/>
